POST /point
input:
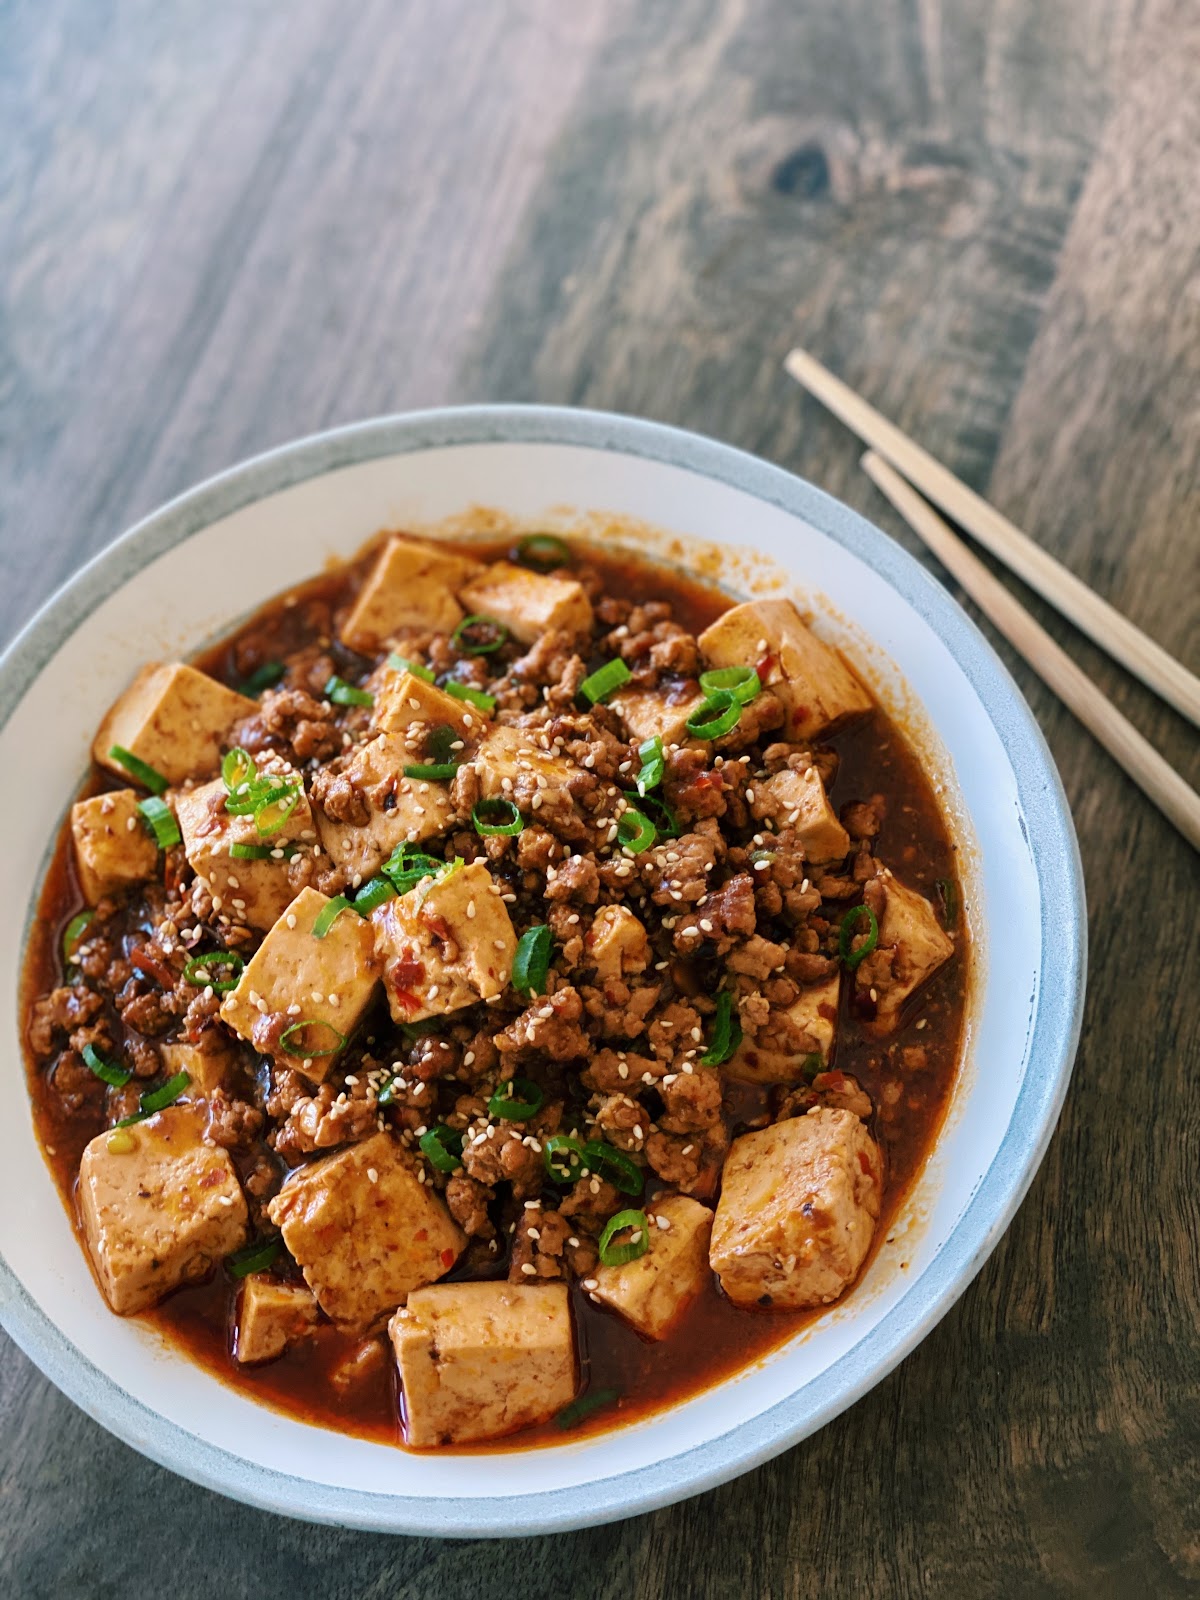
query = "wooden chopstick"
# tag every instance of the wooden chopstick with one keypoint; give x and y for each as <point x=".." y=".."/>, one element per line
<point x="1114" y="633"/>
<point x="1160" y="782"/>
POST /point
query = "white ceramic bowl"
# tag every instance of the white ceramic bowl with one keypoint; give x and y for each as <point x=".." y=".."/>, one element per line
<point x="186" y="573"/>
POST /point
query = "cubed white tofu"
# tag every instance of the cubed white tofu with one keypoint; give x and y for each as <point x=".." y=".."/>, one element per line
<point x="797" y="800"/>
<point x="798" y="1207"/>
<point x="208" y="1063"/>
<point x="617" y="943"/>
<point x="400" y="808"/>
<point x="411" y="585"/>
<point x="159" y="1207"/>
<point x="408" y="705"/>
<point x="271" y="1316"/>
<point x="365" y="1230"/>
<point x="295" y="977"/>
<point x="174" y="719"/>
<point x="512" y="766"/>
<point x="910" y="933"/>
<point x="480" y="1360"/>
<point x="113" y="846"/>
<point x="781" y="1052"/>
<point x="646" y="712"/>
<point x="652" y="1291"/>
<point x="256" y="892"/>
<point x="445" y="944"/>
<point x="815" y="684"/>
<point x="528" y="603"/>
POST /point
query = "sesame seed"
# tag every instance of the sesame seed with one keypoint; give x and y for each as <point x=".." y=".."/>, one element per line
<point x="528" y="1268"/>
<point x="591" y="1283"/>
<point x="372" y="1175"/>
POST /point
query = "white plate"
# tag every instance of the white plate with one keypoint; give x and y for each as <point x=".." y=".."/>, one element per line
<point x="187" y="572"/>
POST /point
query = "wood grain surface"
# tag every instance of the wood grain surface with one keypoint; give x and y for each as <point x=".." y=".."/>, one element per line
<point x="226" y="223"/>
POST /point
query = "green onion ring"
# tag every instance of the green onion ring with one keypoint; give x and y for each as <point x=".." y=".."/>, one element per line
<point x="512" y="824"/>
<point x="605" y="680"/>
<point x="238" y="767"/>
<point x="442" y="1148"/>
<point x="403" y="664"/>
<point x="137" y="768"/>
<point x="166" y="1095"/>
<point x="561" y="1152"/>
<point x="274" y="809"/>
<point x="342" y="693"/>
<point x="532" y="960"/>
<point x="635" y="831"/>
<point x="328" y="915"/>
<point x="653" y="764"/>
<point x="261" y="678"/>
<point x="473" y="647"/>
<point x="254" y="1257"/>
<point x="719" y="715"/>
<point x="160" y="820"/>
<point x="261" y="852"/>
<point x="743" y="683"/>
<point x="851" y="958"/>
<point x="108" y="1071"/>
<point x="304" y="1052"/>
<point x="516" y="1101"/>
<point x="543" y="552"/>
<point x="372" y="894"/>
<point x="726" y="1034"/>
<point x="620" y="1169"/>
<point x="616" y="1255"/>
<point x="948" y="890"/>
<point x="74" y="931"/>
<point x="579" y="1410"/>
<point x="473" y="697"/>
<point x="196" y="970"/>
<point x="431" y="771"/>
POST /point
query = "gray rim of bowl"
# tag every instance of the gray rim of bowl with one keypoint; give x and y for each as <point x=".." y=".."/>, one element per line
<point x="1053" y="1033"/>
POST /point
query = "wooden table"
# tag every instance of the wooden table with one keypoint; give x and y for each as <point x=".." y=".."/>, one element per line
<point x="229" y="223"/>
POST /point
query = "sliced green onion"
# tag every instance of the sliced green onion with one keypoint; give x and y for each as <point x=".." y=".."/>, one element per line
<point x="660" y="813"/>
<point x="948" y="890"/>
<point x="433" y="771"/>
<point x="107" y="1071"/>
<point x="464" y="636"/>
<point x="719" y="715"/>
<point x="261" y="852"/>
<point x="473" y="697"/>
<point x="439" y="743"/>
<point x="254" y="1257"/>
<point x="160" y="819"/>
<point x="345" y="694"/>
<point x="605" y="680"/>
<point x="532" y="960"/>
<point x="263" y="678"/>
<point x="653" y="764"/>
<point x="403" y="664"/>
<point x="145" y="775"/>
<point x="329" y="914"/>
<point x="850" y="957"/>
<point x="166" y="1095"/>
<point x="373" y="894"/>
<point x="564" y="1157"/>
<point x="811" y="1065"/>
<point x="579" y="1410"/>
<point x="516" y="1101"/>
<point x="503" y="814"/>
<point x="74" y="931"/>
<point x="247" y="797"/>
<point x="616" y="1255"/>
<point x="274" y="809"/>
<point x="442" y="1148"/>
<point x="289" y="1039"/>
<point x="726" y="1034"/>
<point x="543" y="552"/>
<point x="388" y="1093"/>
<point x="635" y="831"/>
<point x="742" y="683"/>
<point x="197" y="970"/>
<point x="620" y="1169"/>
<point x="405" y="867"/>
<point x="238" y="767"/>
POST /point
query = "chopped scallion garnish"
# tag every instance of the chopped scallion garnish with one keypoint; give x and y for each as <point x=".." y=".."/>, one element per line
<point x="852" y="954"/>
<point x="496" y="816"/>
<point x="653" y="765"/>
<point x="474" y="697"/>
<point x="564" y="1157"/>
<point x="373" y="894"/>
<point x="238" y="767"/>
<point x="579" y="1410"/>
<point x="342" y="693"/>
<point x="74" y="932"/>
<point x="108" y="1071"/>
<point x="605" y="680"/>
<point x="741" y="682"/>
<point x="532" y="960"/>
<point x="615" y="1165"/>
<point x="516" y="1101"/>
<point x="635" y="831"/>
<point x="478" y="635"/>
<point x="199" y="970"/>
<point x="543" y="552"/>
<point x="275" y="807"/>
<point x="431" y="771"/>
<point x="442" y="1148"/>
<point x="719" y="715"/>
<point x="136" y="768"/>
<point x="727" y="1031"/>
<point x="160" y="820"/>
<point x="263" y="678"/>
<point x="255" y="1257"/>
<point x="328" y="915"/>
<point x="403" y="664"/>
<point x="637" y="1225"/>
<point x="292" y="1041"/>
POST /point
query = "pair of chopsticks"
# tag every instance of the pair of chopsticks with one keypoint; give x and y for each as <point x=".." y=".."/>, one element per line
<point x="900" y="468"/>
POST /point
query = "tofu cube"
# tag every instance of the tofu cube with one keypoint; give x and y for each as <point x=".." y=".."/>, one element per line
<point x="406" y="704"/>
<point x="781" y="1051"/>
<point x="797" y="799"/>
<point x="411" y="585"/>
<point x="528" y="603"/>
<point x="916" y="943"/>
<point x="445" y="944"/>
<point x="798" y="1207"/>
<point x="173" y="718"/>
<point x="400" y="808"/>
<point x="256" y="892"/>
<point x="617" y="943"/>
<point x="652" y="1291"/>
<point x="646" y="712"/>
<point x="113" y="846"/>
<point x="480" y="1360"/>
<point x="208" y="1064"/>
<point x="365" y="1230"/>
<point x="159" y="1207"/>
<point x="330" y="982"/>
<point x="272" y="1315"/>
<point x="512" y="766"/>
<point x="815" y="684"/>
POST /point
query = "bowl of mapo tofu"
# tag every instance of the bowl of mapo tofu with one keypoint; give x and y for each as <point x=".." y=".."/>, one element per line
<point x="512" y="989"/>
